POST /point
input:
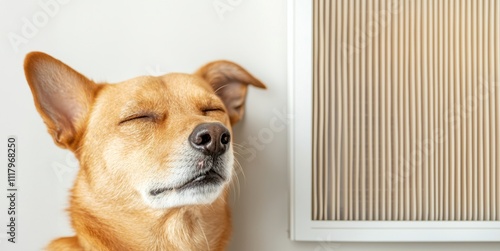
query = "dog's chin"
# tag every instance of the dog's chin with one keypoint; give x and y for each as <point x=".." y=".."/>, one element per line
<point x="195" y="180"/>
<point x="202" y="189"/>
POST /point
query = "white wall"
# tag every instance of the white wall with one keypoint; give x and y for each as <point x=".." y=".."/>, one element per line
<point x="116" y="40"/>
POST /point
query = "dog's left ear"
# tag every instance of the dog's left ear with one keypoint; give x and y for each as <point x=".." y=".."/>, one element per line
<point x="229" y="81"/>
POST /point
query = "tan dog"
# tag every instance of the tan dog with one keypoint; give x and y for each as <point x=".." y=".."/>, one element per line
<point x="155" y="153"/>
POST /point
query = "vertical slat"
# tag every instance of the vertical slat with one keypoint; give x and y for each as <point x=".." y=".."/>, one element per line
<point x="357" y="109"/>
<point x="386" y="164"/>
<point x="481" y="111"/>
<point x="407" y="165"/>
<point x="463" y="110"/>
<point x="492" y="111"/>
<point x="484" y="101"/>
<point x="321" y="104"/>
<point x="450" y="115"/>
<point x="475" y="147"/>
<point x="450" y="123"/>
<point x="496" y="187"/>
<point x="332" y="115"/>
<point x="402" y="111"/>
<point x="435" y="131"/>
<point x="417" y="157"/>
<point x="486" y="111"/>
<point x="469" y="111"/>
<point x="385" y="107"/>
<point x="412" y="123"/>
<point x="382" y="101"/>
<point x="396" y="96"/>
<point x="363" y="81"/>
<point x="432" y="56"/>
<point x="455" y="105"/>
<point x="376" y="109"/>
<point x="338" y="91"/>
<point x="441" y="108"/>
<point x="350" y="85"/>
<point x="458" y="119"/>
<point x="327" y="125"/>
<point x="409" y="64"/>
<point x="446" y="109"/>
<point x="345" y="136"/>
<point x="424" y="184"/>
<point x="369" y="84"/>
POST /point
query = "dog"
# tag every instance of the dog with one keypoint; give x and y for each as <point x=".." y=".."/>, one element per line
<point x="155" y="153"/>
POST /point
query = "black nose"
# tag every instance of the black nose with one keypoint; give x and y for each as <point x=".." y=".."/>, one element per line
<point x="210" y="138"/>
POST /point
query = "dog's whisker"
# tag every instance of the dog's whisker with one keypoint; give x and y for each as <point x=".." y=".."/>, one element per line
<point x="218" y="89"/>
<point x="238" y="145"/>
<point x="238" y="154"/>
<point x="234" y="186"/>
<point x="241" y="148"/>
<point x="238" y="169"/>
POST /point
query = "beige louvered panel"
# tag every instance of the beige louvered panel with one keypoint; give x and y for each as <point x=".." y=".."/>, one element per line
<point x="406" y="113"/>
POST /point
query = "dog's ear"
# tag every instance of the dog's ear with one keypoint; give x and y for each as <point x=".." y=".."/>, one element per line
<point x="62" y="96"/>
<point x="230" y="82"/>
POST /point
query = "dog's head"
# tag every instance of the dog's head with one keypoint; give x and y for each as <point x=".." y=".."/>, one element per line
<point x="166" y="139"/>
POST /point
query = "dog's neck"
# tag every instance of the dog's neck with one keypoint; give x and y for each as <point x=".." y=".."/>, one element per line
<point x="146" y="228"/>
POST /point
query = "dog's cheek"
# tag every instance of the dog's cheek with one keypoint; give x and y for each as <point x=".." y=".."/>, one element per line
<point x="123" y="161"/>
<point x="138" y="131"/>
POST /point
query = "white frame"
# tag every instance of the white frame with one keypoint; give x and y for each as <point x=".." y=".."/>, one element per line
<point x="300" y="107"/>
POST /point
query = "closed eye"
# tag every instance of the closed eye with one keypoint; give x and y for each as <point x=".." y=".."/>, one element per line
<point x="212" y="109"/>
<point x="140" y="116"/>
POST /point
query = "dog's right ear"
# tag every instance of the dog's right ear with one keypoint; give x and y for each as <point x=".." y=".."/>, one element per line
<point x="62" y="96"/>
<point x="229" y="81"/>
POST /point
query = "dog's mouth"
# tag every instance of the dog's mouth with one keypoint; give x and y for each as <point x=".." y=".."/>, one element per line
<point x="210" y="177"/>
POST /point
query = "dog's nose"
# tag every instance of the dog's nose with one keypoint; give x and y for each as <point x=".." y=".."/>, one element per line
<point x="210" y="138"/>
